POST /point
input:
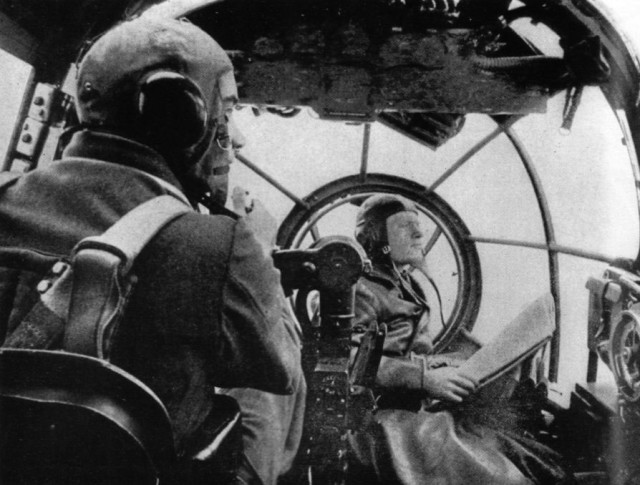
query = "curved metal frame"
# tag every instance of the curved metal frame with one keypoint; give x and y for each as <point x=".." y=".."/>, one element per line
<point x="549" y="233"/>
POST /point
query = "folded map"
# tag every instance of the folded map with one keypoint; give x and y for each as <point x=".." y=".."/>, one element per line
<point x="522" y="337"/>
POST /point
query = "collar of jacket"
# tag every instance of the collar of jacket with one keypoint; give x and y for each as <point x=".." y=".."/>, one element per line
<point x="390" y="278"/>
<point x="116" y="149"/>
<point x="385" y="275"/>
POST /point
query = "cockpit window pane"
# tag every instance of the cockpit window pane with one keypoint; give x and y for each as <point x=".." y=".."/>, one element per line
<point x="587" y="176"/>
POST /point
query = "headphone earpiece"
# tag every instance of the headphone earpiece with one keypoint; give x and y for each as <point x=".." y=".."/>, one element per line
<point x="172" y="111"/>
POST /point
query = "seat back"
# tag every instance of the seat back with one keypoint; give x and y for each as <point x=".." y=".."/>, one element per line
<point x="72" y="419"/>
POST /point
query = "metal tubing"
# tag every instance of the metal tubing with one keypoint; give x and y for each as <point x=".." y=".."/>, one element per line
<point x="547" y="247"/>
<point x="315" y="234"/>
<point x="271" y="180"/>
<point x="554" y="277"/>
<point x="433" y="240"/>
<point x="475" y="149"/>
<point x="364" y="162"/>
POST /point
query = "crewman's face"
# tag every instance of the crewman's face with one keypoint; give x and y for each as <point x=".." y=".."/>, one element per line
<point x="213" y="169"/>
<point x="406" y="237"/>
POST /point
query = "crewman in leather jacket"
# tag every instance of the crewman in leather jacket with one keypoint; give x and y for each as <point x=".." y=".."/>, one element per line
<point x="407" y="440"/>
<point x="155" y="99"/>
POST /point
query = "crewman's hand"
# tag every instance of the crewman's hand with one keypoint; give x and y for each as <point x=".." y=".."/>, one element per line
<point x="259" y="220"/>
<point x="447" y="384"/>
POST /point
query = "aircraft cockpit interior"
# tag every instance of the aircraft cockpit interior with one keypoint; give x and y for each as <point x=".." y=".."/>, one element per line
<point x="512" y="125"/>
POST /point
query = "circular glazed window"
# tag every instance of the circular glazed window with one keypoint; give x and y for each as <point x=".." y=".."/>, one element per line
<point x="452" y="258"/>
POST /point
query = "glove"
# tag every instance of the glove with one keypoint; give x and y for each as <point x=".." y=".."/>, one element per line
<point x="447" y="384"/>
<point x="257" y="218"/>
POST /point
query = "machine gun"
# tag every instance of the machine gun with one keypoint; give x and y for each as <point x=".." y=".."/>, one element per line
<point x="614" y="327"/>
<point x="614" y="338"/>
<point x="337" y="391"/>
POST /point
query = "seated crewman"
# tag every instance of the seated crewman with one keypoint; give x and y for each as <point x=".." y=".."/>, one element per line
<point x="155" y="99"/>
<point x="404" y="442"/>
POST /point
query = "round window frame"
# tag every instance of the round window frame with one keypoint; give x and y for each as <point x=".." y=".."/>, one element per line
<point x="303" y="217"/>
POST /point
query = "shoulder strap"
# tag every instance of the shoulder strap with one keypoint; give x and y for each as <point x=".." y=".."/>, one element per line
<point x="101" y="279"/>
<point x="127" y="237"/>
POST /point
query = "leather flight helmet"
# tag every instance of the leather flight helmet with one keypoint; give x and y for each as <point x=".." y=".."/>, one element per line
<point x="154" y="80"/>
<point x="371" y="223"/>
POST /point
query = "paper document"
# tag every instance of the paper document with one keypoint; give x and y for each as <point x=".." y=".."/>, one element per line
<point x="531" y="329"/>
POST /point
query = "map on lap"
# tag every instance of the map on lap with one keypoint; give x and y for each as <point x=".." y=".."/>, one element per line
<point x="522" y="337"/>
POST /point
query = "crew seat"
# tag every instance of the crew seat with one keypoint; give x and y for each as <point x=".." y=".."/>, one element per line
<point x="72" y="419"/>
